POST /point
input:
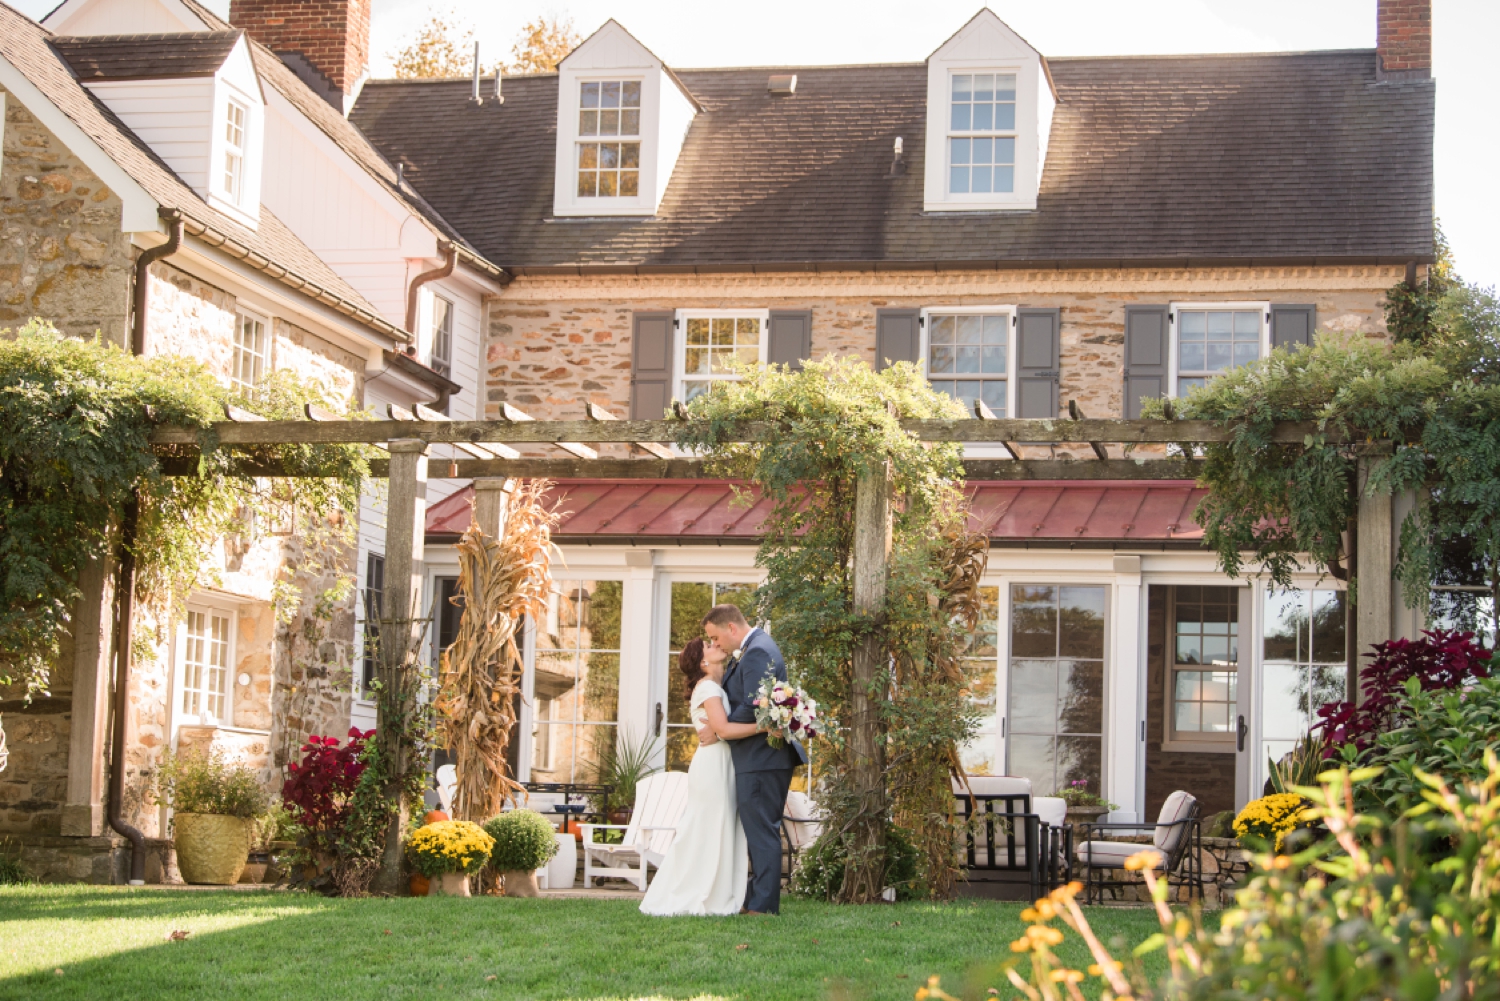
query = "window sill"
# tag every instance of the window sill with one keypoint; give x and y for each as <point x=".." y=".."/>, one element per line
<point x="223" y="728"/>
<point x="1198" y="746"/>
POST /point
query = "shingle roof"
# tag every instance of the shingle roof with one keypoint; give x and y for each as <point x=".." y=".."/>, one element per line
<point x="1284" y="157"/>
<point x="24" y="44"/>
<point x="120" y="57"/>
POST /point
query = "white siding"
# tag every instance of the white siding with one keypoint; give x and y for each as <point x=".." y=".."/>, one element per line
<point x="174" y="117"/>
<point x="122" y="17"/>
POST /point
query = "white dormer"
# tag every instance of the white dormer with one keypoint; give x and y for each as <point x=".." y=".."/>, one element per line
<point x="622" y="116"/>
<point x="989" y="113"/>
<point x="195" y="100"/>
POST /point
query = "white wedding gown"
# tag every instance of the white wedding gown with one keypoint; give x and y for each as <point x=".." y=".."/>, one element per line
<point x="707" y="866"/>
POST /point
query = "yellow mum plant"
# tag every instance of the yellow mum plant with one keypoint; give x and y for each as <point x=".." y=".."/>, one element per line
<point x="1271" y="818"/>
<point x="449" y="846"/>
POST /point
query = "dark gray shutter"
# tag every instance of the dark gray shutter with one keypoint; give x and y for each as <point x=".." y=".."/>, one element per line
<point x="1147" y="348"/>
<point x="1293" y="325"/>
<point x="651" y="366"/>
<point x="789" y="337"/>
<point x="896" y="337"/>
<point x="1038" y="348"/>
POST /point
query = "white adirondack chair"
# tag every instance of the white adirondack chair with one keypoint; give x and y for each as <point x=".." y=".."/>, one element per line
<point x="447" y="779"/>
<point x="659" y="802"/>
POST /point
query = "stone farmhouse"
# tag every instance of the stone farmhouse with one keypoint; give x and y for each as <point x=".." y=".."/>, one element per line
<point x="1039" y="233"/>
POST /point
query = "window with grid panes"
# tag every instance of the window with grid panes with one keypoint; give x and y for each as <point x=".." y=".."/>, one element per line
<point x="1204" y="685"/>
<point x="576" y="684"/>
<point x="967" y="355"/>
<point x="609" y="146"/>
<point x="250" y="351"/>
<point x="690" y="602"/>
<point x="1056" y="702"/>
<point x="712" y="345"/>
<point x="205" y="665"/>
<point x="235" y="115"/>
<point x="980" y="667"/>
<point x="442" y="335"/>
<point x="373" y="598"/>
<point x="982" y="134"/>
<point x="1213" y="341"/>
<point x="1303" y="664"/>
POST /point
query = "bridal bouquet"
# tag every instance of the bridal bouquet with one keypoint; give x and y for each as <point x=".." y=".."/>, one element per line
<point x="784" y="711"/>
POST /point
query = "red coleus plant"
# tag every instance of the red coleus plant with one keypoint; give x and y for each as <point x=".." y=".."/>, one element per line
<point x="1440" y="659"/>
<point x="319" y="788"/>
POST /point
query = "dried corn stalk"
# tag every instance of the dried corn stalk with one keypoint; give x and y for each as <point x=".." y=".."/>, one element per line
<point x="499" y="582"/>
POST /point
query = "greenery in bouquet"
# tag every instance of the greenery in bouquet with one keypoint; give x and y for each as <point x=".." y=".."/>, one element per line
<point x="198" y="782"/>
<point x="449" y="846"/>
<point x="523" y="841"/>
<point x="784" y="711"/>
<point x="1266" y="822"/>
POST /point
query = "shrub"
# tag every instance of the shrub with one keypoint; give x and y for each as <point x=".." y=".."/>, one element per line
<point x="195" y="782"/>
<point x="523" y="841"/>
<point x="319" y="790"/>
<point x="1298" y="767"/>
<point x="1439" y="660"/>
<point x="449" y="846"/>
<point x="1268" y="820"/>
<point x="820" y="866"/>
<point x="12" y="871"/>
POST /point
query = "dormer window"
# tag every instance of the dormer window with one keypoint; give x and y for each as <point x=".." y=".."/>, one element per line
<point x="235" y="115"/>
<point x="611" y="166"/>
<point x="982" y="134"/>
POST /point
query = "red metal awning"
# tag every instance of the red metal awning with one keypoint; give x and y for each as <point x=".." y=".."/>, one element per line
<point x="706" y="511"/>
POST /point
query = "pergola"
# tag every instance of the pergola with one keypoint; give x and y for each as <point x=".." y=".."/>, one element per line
<point x="493" y="457"/>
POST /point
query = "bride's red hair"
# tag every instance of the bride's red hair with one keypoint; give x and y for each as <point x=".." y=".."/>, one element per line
<point x="690" y="663"/>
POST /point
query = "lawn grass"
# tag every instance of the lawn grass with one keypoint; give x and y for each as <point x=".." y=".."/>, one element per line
<point x="112" y="944"/>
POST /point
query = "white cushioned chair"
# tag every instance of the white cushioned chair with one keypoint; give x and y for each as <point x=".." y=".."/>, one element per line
<point x="801" y="823"/>
<point x="1175" y="835"/>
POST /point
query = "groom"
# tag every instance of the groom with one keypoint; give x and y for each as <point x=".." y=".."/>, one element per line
<point x="762" y="773"/>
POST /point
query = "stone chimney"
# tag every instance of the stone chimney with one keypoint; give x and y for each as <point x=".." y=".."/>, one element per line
<point x="326" y="42"/>
<point x="1403" y="39"/>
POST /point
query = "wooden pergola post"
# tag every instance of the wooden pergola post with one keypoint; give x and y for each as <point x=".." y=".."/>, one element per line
<point x="400" y="634"/>
<point x="864" y="876"/>
<point x="1373" y="568"/>
<point x="489" y="504"/>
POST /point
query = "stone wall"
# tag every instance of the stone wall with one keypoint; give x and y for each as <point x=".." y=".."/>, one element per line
<point x="62" y="254"/>
<point x="554" y="340"/>
<point x="34" y="785"/>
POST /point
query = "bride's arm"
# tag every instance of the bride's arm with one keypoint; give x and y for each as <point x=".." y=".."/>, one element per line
<point x="719" y="723"/>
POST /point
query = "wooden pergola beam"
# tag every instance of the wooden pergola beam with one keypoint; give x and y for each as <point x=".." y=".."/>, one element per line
<point x="975" y="470"/>
<point x="552" y="432"/>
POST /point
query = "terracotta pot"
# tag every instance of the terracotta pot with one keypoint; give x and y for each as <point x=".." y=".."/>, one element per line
<point x="211" y="848"/>
<point x="450" y="884"/>
<point x="620" y="816"/>
<point x="420" y="885"/>
<point x="520" y="883"/>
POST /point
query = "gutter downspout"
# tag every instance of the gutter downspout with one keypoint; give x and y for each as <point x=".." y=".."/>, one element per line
<point x="126" y="587"/>
<point x="450" y="261"/>
<point x="143" y="281"/>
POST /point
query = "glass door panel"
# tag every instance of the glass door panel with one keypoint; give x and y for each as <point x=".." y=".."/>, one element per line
<point x="690" y="602"/>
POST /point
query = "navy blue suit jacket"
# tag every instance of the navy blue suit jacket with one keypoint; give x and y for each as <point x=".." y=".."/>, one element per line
<point x="759" y="657"/>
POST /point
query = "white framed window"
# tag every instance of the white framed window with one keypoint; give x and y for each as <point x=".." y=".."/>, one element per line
<point x="982" y="134"/>
<point x="1202" y="688"/>
<point x="207" y="656"/>
<point x="252" y="350"/>
<point x="236" y="121"/>
<point x="609" y="139"/>
<point x="711" y="341"/>
<point x="442" y="335"/>
<point x="969" y="353"/>
<point x="1304" y="663"/>
<point x="1211" y="338"/>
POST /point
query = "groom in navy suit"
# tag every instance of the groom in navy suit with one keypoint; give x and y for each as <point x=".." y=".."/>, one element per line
<point x="762" y="773"/>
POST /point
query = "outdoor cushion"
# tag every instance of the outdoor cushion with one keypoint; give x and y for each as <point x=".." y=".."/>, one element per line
<point x="1052" y="809"/>
<point x="1177" y="806"/>
<point x="995" y="785"/>
<point x="1109" y="854"/>
<point x="801" y="820"/>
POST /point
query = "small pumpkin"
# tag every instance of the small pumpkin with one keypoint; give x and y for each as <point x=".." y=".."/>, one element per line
<point x="433" y="816"/>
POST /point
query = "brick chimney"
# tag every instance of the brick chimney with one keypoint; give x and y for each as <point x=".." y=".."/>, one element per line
<point x="1403" y="39"/>
<point x="326" y="42"/>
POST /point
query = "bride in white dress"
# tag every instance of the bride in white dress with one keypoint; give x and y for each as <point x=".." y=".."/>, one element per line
<point x="707" y="866"/>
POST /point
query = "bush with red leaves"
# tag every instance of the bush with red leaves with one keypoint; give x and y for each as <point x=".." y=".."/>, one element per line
<point x="1440" y="659"/>
<point x="320" y="787"/>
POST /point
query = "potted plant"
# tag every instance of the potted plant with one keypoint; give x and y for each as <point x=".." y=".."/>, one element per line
<point x="268" y="831"/>
<point x="622" y="765"/>
<point x="1084" y="807"/>
<point x="215" y="804"/>
<point x="448" y="852"/>
<point x="524" y="842"/>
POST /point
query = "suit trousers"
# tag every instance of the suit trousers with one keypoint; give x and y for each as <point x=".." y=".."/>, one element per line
<point x="762" y="802"/>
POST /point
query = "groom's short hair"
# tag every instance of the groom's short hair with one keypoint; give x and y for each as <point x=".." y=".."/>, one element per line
<point x="725" y="615"/>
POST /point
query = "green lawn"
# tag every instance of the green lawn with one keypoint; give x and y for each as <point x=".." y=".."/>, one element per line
<point x="111" y="944"/>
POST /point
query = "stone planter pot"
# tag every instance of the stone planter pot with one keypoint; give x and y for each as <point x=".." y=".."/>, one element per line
<point x="1080" y="815"/>
<point x="212" y="849"/>
<point x="450" y="884"/>
<point x="256" y="868"/>
<point x="520" y="883"/>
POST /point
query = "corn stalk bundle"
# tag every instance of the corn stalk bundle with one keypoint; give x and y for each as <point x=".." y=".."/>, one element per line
<point x="500" y="581"/>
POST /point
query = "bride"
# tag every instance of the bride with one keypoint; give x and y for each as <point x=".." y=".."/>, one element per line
<point x="707" y="866"/>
